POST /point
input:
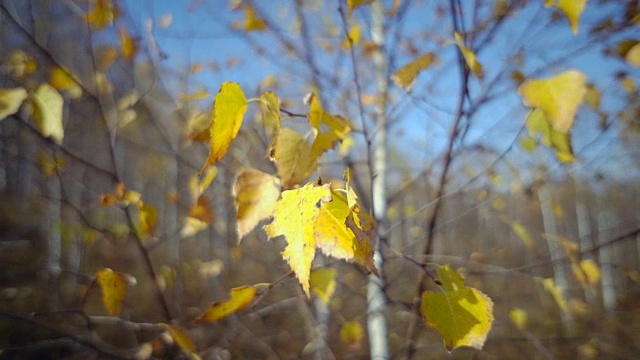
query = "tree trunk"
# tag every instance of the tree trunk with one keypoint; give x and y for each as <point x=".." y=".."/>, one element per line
<point x="376" y="299"/>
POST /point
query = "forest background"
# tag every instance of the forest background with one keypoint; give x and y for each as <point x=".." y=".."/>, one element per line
<point x="455" y="145"/>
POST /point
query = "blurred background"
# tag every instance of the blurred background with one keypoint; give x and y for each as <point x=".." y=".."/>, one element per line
<point x="554" y="240"/>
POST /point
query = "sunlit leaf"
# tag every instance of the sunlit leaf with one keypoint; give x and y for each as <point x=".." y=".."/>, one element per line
<point x="323" y="283"/>
<point x="229" y="107"/>
<point x="293" y="158"/>
<point x="633" y="55"/>
<point x="351" y="333"/>
<point x="10" y="101"/>
<point x="538" y="126"/>
<point x="114" y="289"/>
<point x="62" y="80"/>
<point x="294" y="218"/>
<point x="571" y="8"/>
<point x="256" y="195"/>
<point x="461" y="315"/>
<point x="182" y="338"/>
<point x="519" y="317"/>
<point x="19" y="63"/>
<point x="586" y="272"/>
<point x="354" y="4"/>
<point x="148" y="217"/>
<point x="555" y="292"/>
<point x="329" y="128"/>
<point x="128" y="45"/>
<point x="469" y="56"/>
<point x="202" y="210"/>
<point x="102" y="14"/>
<point x="47" y="104"/>
<point x="240" y="299"/>
<point x="353" y="37"/>
<point x="270" y="105"/>
<point x="406" y="76"/>
<point x="253" y="22"/>
<point x="558" y="97"/>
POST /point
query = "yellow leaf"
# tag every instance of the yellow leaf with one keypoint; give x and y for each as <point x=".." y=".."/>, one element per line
<point x="229" y="107"/>
<point x="103" y="13"/>
<point x="461" y="315"/>
<point x="337" y="128"/>
<point x="253" y="22"/>
<point x="294" y="218"/>
<point x="10" y="101"/>
<point x="148" y="217"/>
<point x="351" y="333"/>
<point x="354" y="4"/>
<point x="128" y="46"/>
<point x="586" y="272"/>
<point x="240" y="299"/>
<point x="538" y="125"/>
<point x="522" y="233"/>
<point x="256" y="195"/>
<point x="48" y="104"/>
<point x="555" y="292"/>
<point x="519" y="317"/>
<point x="62" y="80"/>
<point x="323" y="283"/>
<point x="571" y="8"/>
<point x="406" y="76"/>
<point x="592" y="97"/>
<point x="198" y="95"/>
<point x="19" y="63"/>
<point x="182" y="338"/>
<point x="558" y="97"/>
<point x="469" y="56"/>
<point x="114" y="289"/>
<point x="192" y="226"/>
<point x="353" y="35"/>
<point x="293" y="158"/>
<point x="271" y="119"/>
<point x="202" y="210"/>
<point x="633" y="55"/>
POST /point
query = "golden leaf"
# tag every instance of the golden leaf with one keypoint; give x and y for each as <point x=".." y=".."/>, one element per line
<point x="256" y="195"/>
<point x="406" y="76"/>
<point x="469" y="56"/>
<point x="114" y="289"/>
<point x="294" y="218"/>
<point x="351" y="333"/>
<point x="10" y="101"/>
<point x="229" y="107"/>
<point x="558" y="97"/>
<point x="47" y="114"/>
<point x="240" y="299"/>
<point x="323" y="283"/>
<point x="293" y="158"/>
<point x="461" y="315"/>
<point x="571" y="8"/>
<point x="253" y="22"/>
<point x="128" y="46"/>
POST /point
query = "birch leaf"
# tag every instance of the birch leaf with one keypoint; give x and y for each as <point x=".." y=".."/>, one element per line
<point x="461" y="315"/>
<point x="354" y="4"/>
<point x="128" y="45"/>
<point x="253" y="22"/>
<point x="229" y="107"/>
<point x="182" y="338"/>
<point x="240" y="299"/>
<point x="114" y="289"/>
<point x="323" y="283"/>
<point x="10" y="101"/>
<point x="62" y="80"/>
<point x="351" y="333"/>
<point x="293" y="158"/>
<point x="540" y="128"/>
<point x="294" y="218"/>
<point x="271" y="109"/>
<point x="469" y="56"/>
<point x="47" y="104"/>
<point x="329" y="128"/>
<point x="571" y="8"/>
<point x="558" y="97"/>
<point x="256" y="196"/>
<point x="406" y="76"/>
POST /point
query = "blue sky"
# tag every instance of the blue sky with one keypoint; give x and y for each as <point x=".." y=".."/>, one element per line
<point x="199" y="33"/>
